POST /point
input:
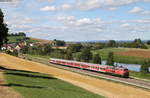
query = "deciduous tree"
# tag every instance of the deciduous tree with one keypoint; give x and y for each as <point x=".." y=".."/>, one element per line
<point x="86" y="54"/>
<point x="3" y="30"/>
<point x="96" y="59"/>
<point x="145" y="66"/>
<point x="110" y="59"/>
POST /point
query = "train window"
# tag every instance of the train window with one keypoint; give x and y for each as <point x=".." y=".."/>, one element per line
<point x="102" y="68"/>
<point x="125" y="69"/>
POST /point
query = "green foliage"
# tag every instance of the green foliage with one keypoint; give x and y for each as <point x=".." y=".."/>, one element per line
<point x="3" y="30"/>
<point x="140" y="75"/>
<point x="137" y="43"/>
<point x="25" y="50"/>
<point x="143" y="46"/>
<point x="96" y="59"/>
<point x="36" y="85"/>
<point x="68" y="54"/>
<point x="17" y="39"/>
<point x="44" y="49"/>
<point x="17" y="34"/>
<point x="57" y="53"/>
<point x="145" y="66"/>
<point x="110" y="59"/>
<point x="75" y="47"/>
<point x="98" y="46"/>
<point x="14" y="53"/>
<point x="111" y="43"/>
<point x="86" y="54"/>
<point x="59" y="42"/>
<point x="148" y="42"/>
<point x="77" y="56"/>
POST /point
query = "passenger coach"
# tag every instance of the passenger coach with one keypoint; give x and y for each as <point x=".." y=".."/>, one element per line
<point x="114" y="70"/>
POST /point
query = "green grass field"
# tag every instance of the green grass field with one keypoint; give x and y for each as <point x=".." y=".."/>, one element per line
<point x="36" y="85"/>
<point x="118" y="58"/>
<point x="140" y="75"/>
<point x="148" y="46"/>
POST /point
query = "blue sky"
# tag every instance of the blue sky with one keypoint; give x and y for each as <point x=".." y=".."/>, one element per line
<point x="79" y="20"/>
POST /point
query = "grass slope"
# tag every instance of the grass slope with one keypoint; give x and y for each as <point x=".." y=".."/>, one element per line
<point x="132" y="73"/>
<point x="36" y="85"/>
<point x="140" y="75"/>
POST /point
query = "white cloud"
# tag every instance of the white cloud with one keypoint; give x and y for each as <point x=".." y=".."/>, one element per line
<point x="87" y="28"/>
<point x="125" y="25"/>
<point x="72" y="20"/>
<point x="112" y="8"/>
<point x="147" y="0"/>
<point x="136" y="10"/>
<point x="66" y="6"/>
<point x="146" y="12"/>
<point x="46" y="0"/>
<point x="92" y="4"/>
<point x="48" y="8"/>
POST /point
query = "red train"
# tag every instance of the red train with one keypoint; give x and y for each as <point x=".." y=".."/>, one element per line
<point x="113" y="70"/>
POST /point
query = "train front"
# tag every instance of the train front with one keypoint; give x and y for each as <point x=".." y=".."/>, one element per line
<point x="125" y="73"/>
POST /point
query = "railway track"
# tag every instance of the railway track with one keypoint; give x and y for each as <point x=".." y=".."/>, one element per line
<point x="129" y="81"/>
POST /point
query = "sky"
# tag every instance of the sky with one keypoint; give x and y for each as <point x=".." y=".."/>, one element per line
<point x="79" y="20"/>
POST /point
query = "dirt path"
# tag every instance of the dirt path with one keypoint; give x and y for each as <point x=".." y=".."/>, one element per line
<point x="6" y="92"/>
<point x="101" y="87"/>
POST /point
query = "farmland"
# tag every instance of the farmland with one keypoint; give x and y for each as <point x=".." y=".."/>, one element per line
<point x="135" y="53"/>
<point x="125" y="55"/>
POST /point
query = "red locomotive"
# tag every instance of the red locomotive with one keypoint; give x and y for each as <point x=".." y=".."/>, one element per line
<point x="114" y="70"/>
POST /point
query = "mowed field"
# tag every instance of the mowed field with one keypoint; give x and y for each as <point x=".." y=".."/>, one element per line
<point x="98" y="86"/>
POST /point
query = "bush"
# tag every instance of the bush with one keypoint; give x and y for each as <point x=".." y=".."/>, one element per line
<point x="86" y="55"/>
<point x="96" y="59"/>
<point x="145" y="66"/>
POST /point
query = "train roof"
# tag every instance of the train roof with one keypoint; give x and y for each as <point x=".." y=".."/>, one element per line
<point x="90" y="64"/>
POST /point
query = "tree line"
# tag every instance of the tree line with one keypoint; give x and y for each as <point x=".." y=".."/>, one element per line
<point x="17" y="34"/>
<point x="136" y="43"/>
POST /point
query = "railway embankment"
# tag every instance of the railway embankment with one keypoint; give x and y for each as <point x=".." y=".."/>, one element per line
<point x="98" y="86"/>
<point x="132" y="81"/>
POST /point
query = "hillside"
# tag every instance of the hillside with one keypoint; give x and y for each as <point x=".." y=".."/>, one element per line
<point x="98" y="86"/>
<point x="16" y="39"/>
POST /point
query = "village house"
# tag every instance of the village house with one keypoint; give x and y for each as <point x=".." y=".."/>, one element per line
<point x="13" y="46"/>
